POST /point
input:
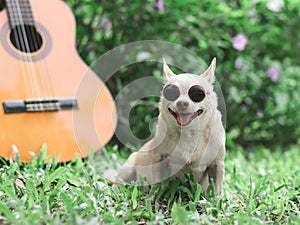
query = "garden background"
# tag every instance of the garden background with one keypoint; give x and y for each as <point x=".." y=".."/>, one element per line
<point x="257" y="46"/>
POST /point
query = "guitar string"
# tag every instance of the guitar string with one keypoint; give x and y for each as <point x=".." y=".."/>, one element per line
<point x="45" y="81"/>
<point x="29" y="69"/>
<point x="29" y="62"/>
<point x="19" y="45"/>
<point x="48" y="91"/>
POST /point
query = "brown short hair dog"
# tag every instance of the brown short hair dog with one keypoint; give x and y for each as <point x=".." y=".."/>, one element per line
<point x="189" y="134"/>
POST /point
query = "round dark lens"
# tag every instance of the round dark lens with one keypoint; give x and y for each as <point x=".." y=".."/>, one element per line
<point x="196" y="93"/>
<point x="171" y="92"/>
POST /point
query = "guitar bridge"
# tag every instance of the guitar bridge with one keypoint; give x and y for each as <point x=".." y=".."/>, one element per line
<point x="40" y="105"/>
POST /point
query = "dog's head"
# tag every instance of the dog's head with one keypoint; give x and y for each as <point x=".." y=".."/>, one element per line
<point x="188" y="99"/>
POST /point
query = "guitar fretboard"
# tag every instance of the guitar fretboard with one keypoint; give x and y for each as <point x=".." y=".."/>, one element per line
<point x="19" y="13"/>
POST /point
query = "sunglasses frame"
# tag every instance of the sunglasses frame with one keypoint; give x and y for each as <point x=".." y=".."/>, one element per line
<point x="171" y="92"/>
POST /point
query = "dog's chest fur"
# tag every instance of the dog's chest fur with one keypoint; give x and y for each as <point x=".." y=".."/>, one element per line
<point x="183" y="145"/>
<point x="186" y="147"/>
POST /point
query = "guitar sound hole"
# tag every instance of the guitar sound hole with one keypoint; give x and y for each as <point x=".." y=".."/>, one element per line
<point x="26" y="38"/>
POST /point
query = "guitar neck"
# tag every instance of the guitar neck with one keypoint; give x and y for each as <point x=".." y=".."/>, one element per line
<point x="19" y="13"/>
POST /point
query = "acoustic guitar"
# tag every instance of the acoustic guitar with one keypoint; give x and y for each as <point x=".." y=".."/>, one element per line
<point x="47" y="94"/>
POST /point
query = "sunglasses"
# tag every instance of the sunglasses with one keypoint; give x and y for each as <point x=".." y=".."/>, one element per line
<point x="196" y="93"/>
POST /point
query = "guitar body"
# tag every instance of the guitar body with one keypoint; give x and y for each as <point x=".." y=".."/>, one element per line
<point x="53" y="71"/>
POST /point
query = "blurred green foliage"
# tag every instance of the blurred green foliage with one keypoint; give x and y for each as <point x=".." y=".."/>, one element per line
<point x="259" y="110"/>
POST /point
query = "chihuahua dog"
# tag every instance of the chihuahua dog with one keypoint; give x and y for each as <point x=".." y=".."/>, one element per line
<point x="189" y="135"/>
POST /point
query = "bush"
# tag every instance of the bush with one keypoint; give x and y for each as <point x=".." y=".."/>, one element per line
<point x="259" y="80"/>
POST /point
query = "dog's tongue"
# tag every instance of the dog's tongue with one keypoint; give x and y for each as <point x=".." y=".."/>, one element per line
<point x="183" y="119"/>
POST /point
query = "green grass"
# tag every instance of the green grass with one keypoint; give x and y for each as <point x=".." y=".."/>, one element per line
<point x="260" y="187"/>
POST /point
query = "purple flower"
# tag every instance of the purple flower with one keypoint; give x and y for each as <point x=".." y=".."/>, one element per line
<point x="240" y="64"/>
<point x="105" y="24"/>
<point x="239" y="42"/>
<point x="160" y="5"/>
<point x="273" y="74"/>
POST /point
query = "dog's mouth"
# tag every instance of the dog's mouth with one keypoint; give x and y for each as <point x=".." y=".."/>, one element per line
<point x="184" y="119"/>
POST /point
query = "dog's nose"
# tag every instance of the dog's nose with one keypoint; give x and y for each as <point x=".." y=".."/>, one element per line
<point x="182" y="105"/>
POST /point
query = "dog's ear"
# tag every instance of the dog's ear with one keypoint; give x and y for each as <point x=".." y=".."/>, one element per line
<point x="167" y="72"/>
<point x="209" y="74"/>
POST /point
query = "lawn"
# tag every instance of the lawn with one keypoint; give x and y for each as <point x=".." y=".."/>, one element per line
<point x="257" y="48"/>
<point x="261" y="187"/>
